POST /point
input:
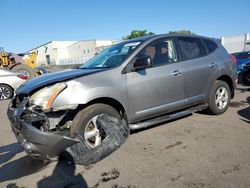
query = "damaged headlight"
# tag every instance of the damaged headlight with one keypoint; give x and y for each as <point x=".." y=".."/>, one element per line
<point x="46" y="96"/>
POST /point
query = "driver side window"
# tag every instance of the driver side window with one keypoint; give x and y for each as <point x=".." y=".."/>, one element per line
<point x="161" y="52"/>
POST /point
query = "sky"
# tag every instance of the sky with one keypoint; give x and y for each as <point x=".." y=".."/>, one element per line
<point x="26" y="24"/>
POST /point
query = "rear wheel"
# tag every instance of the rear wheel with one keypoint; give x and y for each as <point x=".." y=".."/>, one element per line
<point x="100" y="130"/>
<point x="28" y="71"/>
<point x="219" y="98"/>
<point x="6" y="92"/>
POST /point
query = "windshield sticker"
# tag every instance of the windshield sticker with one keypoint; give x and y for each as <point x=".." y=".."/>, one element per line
<point x="131" y="44"/>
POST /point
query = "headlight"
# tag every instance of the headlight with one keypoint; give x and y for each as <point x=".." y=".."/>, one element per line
<point x="46" y="96"/>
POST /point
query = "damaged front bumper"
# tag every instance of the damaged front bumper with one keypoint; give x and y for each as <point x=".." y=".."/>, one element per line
<point x="37" y="143"/>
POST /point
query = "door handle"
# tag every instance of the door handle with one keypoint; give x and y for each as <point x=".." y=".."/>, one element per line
<point x="212" y="65"/>
<point x="176" y="73"/>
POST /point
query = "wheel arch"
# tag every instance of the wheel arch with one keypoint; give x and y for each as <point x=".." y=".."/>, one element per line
<point x="7" y="85"/>
<point x="109" y="101"/>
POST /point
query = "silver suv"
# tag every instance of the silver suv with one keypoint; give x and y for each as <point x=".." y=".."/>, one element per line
<point x="88" y="111"/>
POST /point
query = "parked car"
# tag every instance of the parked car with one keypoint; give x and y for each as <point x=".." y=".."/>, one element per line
<point x="9" y="81"/>
<point x="241" y="59"/>
<point x="137" y="83"/>
<point x="246" y="74"/>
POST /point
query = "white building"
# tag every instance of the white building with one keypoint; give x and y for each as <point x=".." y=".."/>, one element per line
<point x="236" y="43"/>
<point x="69" y="52"/>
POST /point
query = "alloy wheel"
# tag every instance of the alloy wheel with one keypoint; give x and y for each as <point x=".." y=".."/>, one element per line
<point x="93" y="134"/>
<point x="221" y="98"/>
<point x="5" y="92"/>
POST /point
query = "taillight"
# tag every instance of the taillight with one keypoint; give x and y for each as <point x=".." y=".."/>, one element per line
<point x="233" y="59"/>
<point x="24" y="77"/>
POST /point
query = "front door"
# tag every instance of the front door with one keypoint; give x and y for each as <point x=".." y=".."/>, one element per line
<point x="158" y="89"/>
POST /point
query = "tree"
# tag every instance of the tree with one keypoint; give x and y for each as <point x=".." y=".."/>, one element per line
<point x="181" y="32"/>
<point x="137" y="33"/>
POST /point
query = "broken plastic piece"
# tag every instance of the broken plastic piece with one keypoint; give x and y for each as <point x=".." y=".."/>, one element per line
<point x="116" y="134"/>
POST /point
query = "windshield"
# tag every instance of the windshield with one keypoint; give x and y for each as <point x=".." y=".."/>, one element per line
<point x="243" y="55"/>
<point x="112" y="56"/>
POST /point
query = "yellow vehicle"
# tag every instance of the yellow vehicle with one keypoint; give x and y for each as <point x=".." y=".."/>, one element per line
<point x="18" y="63"/>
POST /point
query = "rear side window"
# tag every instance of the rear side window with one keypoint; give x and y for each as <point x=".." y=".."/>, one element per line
<point x="211" y="46"/>
<point x="191" y="48"/>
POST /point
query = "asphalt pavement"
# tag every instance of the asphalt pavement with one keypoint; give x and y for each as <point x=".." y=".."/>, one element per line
<point x="195" y="151"/>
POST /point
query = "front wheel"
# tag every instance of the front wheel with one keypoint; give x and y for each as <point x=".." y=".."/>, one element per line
<point x="23" y="68"/>
<point x="100" y="131"/>
<point x="219" y="98"/>
<point x="6" y="92"/>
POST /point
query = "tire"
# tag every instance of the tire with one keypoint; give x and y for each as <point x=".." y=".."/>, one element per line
<point x="219" y="98"/>
<point x="6" y="92"/>
<point x="25" y="69"/>
<point x="110" y="135"/>
<point x="246" y="80"/>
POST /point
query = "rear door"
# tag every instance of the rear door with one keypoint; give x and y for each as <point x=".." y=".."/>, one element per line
<point x="200" y="67"/>
<point x="158" y="89"/>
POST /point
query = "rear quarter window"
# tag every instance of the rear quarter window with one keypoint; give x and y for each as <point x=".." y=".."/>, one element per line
<point x="210" y="45"/>
<point x="191" y="48"/>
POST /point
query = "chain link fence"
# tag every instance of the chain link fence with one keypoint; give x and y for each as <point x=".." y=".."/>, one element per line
<point x="57" y="65"/>
<point x="74" y="61"/>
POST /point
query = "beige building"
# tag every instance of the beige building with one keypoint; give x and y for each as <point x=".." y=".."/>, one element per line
<point x="236" y="43"/>
<point x="69" y="52"/>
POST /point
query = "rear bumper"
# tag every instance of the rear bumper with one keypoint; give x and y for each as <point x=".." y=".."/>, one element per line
<point x="36" y="143"/>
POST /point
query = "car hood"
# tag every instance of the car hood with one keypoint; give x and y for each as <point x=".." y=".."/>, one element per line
<point x="51" y="78"/>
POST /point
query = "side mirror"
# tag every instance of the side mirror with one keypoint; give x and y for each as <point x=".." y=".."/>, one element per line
<point x="142" y="63"/>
